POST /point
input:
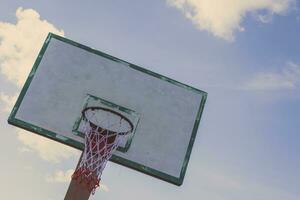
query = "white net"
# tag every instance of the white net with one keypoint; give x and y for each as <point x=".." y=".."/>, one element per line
<point x="104" y="130"/>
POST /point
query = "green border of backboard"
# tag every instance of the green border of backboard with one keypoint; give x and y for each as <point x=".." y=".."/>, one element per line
<point x="73" y="143"/>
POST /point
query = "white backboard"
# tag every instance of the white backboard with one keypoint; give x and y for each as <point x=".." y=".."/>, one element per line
<point x="67" y="76"/>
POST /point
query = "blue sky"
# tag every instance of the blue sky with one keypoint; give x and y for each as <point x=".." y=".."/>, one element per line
<point x="244" y="54"/>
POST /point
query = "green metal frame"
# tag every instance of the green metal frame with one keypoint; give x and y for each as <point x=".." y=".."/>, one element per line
<point x="73" y="143"/>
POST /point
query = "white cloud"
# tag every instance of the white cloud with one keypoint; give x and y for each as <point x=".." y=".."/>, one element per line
<point x="104" y="187"/>
<point x="287" y="78"/>
<point x="265" y="18"/>
<point x="8" y="101"/>
<point x="61" y="176"/>
<point x="25" y="150"/>
<point x="21" y="42"/>
<point x="48" y="150"/>
<point x="223" y="17"/>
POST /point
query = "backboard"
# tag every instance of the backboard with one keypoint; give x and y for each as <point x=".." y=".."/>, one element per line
<point x="67" y="77"/>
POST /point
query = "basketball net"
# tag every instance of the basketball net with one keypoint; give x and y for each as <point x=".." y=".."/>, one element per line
<point x="104" y="130"/>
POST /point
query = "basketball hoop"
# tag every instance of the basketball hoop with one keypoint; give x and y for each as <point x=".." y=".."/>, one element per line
<point x="104" y="130"/>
